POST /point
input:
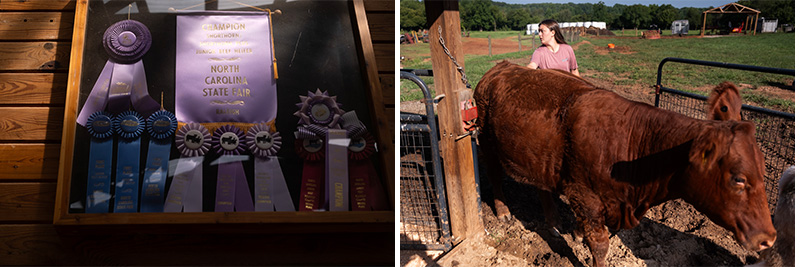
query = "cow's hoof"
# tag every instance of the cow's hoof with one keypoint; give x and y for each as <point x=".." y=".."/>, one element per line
<point x="554" y="232"/>
<point x="578" y="238"/>
<point x="504" y="217"/>
<point x="502" y="212"/>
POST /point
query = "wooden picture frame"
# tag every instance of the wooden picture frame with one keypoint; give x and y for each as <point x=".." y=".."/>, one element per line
<point x="350" y="221"/>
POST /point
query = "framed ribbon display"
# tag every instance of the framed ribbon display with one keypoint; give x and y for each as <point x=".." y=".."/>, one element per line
<point x="186" y="189"/>
<point x="233" y="191"/>
<point x="101" y="146"/>
<point x="271" y="192"/>
<point x="160" y="126"/>
<point x="129" y="126"/>
<point x="213" y="65"/>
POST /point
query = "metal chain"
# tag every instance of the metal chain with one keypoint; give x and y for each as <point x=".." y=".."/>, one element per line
<point x="458" y="67"/>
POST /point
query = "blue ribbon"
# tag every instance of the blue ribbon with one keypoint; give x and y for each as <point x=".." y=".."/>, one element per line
<point x="161" y="125"/>
<point x="128" y="125"/>
<point x="101" y="147"/>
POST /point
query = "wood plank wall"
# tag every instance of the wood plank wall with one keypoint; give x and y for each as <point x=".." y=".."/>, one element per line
<point x="380" y="17"/>
<point x="35" y="40"/>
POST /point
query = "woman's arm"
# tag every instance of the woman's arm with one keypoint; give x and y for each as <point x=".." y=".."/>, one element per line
<point x="575" y="72"/>
<point x="533" y="65"/>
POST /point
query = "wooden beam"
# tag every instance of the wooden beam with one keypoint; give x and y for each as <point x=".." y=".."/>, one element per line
<point x="29" y="162"/>
<point x="33" y="88"/>
<point x="28" y="5"/>
<point x="36" y="25"/>
<point x="44" y="244"/>
<point x="384" y="135"/>
<point x="456" y="153"/>
<point x="30" y="123"/>
<point x="703" y="31"/>
<point x="27" y="202"/>
<point x="381" y="27"/>
<point x="70" y="111"/>
<point x="34" y="55"/>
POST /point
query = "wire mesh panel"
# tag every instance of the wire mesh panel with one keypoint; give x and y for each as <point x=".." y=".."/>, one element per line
<point x="775" y="135"/>
<point x="420" y="218"/>
<point x="687" y="104"/>
<point x="424" y="223"/>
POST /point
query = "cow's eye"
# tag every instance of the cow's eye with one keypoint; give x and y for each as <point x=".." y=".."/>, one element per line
<point x="724" y="108"/>
<point x="738" y="181"/>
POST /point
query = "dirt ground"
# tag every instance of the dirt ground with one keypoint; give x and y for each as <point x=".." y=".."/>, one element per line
<point x="672" y="234"/>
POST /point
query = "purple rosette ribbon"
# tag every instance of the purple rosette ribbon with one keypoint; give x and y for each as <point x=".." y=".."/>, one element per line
<point x="233" y="191"/>
<point x="122" y="81"/>
<point x="186" y="190"/>
<point x="271" y="192"/>
<point x="320" y="117"/>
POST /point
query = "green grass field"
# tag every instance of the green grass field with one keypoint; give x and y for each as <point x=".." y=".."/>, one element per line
<point x="640" y="66"/>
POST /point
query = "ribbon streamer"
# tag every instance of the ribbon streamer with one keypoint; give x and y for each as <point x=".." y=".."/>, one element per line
<point x="312" y="151"/>
<point x="129" y="126"/>
<point x="101" y="145"/>
<point x="122" y="80"/>
<point x="271" y="192"/>
<point x="160" y="126"/>
<point x="365" y="187"/>
<point x="186" y="190"/>
<point x="233" y="191"/>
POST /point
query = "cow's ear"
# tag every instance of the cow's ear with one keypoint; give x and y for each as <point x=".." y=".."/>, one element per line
<point x="746" y="127"/>
<point x="706" y="148"/>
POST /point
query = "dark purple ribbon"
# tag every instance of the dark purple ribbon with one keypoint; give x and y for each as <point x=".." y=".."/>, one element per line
<point x="127" y="41"/>
<point x="123" y="79"/>
<point x="232" y="188"/>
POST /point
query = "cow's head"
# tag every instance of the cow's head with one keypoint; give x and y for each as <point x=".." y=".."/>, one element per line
<point x="726" y="182"/>
<point x="725" y="103"/>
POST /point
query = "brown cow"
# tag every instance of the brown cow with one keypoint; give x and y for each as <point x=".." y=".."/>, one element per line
<point x="725" y="103"/>
<point x="614" y="158"/>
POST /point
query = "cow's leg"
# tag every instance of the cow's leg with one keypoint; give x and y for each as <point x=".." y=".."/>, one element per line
<point x="597" y="239"/>
<point x="551" y="216"/>
<point x="591" y="222"/>
<point x="495" y="171"/>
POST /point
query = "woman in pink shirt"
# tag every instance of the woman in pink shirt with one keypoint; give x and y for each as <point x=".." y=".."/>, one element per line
<point x="554" y="53"/>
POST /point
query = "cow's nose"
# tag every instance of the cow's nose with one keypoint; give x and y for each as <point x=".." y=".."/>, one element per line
<point x="767" y="243"/>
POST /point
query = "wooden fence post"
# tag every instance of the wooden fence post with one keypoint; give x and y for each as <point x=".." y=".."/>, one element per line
<point x="459" y="172"/>
<point x="490" y="45"/>
<point x="519" y="42"/>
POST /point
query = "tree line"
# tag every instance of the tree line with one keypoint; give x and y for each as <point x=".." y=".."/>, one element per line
<point x="477" y="15"/>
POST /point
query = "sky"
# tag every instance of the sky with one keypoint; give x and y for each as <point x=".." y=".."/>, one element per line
<point x="675" y="3"/>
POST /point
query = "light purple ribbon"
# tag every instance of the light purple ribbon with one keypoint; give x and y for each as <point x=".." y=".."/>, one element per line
<point x="271" y="192"/>
<point x="186" y="189"/>
<point x="233" y="192"/>
<point x="336" y="170"/>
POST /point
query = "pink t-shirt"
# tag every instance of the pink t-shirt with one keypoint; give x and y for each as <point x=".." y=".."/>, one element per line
<point x="564" y="59"/>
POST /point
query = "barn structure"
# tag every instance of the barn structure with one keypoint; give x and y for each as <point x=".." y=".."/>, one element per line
<point x="734" y="8"/>
<point x="40" y="42"/>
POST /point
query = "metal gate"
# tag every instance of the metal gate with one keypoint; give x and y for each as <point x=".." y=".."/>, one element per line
<point x="774" y="129"/>
<point x="424" y="223"/>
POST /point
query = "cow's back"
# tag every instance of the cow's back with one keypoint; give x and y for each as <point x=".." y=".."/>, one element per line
<point x="520" y="118"/>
